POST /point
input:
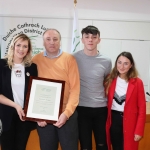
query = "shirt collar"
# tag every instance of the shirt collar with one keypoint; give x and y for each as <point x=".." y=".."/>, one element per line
<point x="45" y="54"/>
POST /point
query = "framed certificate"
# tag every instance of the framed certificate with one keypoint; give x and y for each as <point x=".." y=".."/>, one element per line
<point x="44" y="99"/>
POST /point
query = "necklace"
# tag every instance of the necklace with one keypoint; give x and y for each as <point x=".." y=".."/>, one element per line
<point x="18" y="73"/>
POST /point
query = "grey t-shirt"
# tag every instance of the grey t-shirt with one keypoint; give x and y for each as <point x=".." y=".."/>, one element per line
<point x="92" y="70"/>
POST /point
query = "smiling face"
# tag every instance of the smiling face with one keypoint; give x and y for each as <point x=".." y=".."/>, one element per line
<point x="123" y="66"/>
<point x="90" y="42"/>
<point x="20" y="50"/>
<point x="51" y="42"/>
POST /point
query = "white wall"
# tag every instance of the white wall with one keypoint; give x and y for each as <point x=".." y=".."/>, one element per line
<point x="119" y="31"/>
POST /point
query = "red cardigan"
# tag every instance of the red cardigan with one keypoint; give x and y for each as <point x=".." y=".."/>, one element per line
<point x="134" y="113"/>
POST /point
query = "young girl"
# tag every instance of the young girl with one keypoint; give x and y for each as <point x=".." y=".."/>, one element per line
<point x="126" y="105"/>
<point x="15" y="71"/>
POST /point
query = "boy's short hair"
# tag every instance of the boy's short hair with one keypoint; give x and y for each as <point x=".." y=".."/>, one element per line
<point x="90" y="29"/>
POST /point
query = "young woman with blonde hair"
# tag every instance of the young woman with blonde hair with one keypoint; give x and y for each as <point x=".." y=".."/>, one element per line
<point x="15" y="71"/>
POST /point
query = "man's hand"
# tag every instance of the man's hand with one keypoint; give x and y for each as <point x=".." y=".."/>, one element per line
<point x="41" y="123"/>
<point x="61" y="121"/>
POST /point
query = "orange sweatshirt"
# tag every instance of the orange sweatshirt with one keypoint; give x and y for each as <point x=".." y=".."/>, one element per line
<point x="63" y="68"/>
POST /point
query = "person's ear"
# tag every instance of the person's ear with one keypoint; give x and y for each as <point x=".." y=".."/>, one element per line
<point x="82" y="40"/>
<point x="99" y="40"/>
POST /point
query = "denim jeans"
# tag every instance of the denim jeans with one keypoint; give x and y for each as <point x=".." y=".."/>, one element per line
<point x="92" y="119"/>
<point x="116" y="131"/>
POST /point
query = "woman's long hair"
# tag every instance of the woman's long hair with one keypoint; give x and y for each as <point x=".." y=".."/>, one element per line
<point x="10" y="54"/>
<point x="132" y="73"/>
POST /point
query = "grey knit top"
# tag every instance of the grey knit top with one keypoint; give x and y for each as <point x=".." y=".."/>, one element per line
<point x="92" y="70"/>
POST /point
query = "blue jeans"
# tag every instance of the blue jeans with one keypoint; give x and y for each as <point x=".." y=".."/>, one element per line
<point x="92" y="119"/>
